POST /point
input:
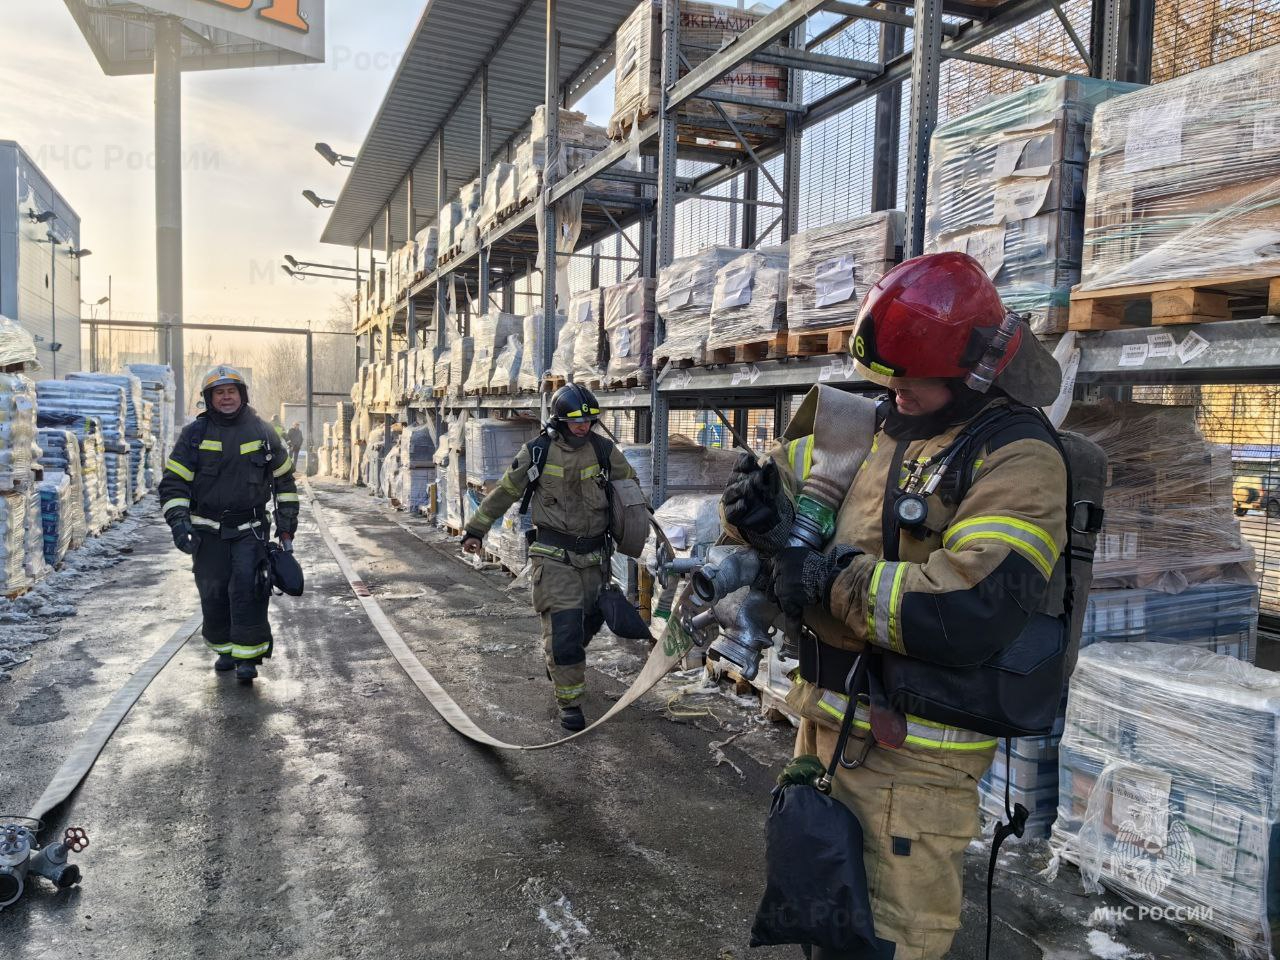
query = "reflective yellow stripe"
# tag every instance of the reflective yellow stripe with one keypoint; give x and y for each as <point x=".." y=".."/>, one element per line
<point x="218" y="647"/>
<point x="1017" y="543"/>
<point x="1025" y="537"/>
<point x="211" y="445"/>
<point x="808" y="459"/>
<point x="575" y="413"/>
<point x="248" y="653"/>
<point x="591" y="471"/>
<point x="895" y="609"/>
<point x="542" y="550"/>
<point x="175" y="467"/>
<point x="284" y="468"/>
<point x="804" y="449"/>
<point x="553" y="470"/>
<point x="508" y="485"/>
<point x="288" y="498"/>
<point x="1024" y="525"/>
<point x="175" y="502"/>
<point x="251" y="446"/>
<point x="918" y="729"/>
<point x="483" y="517"/>
<point x="871" y="599"/>
<point x="571" y="693"/>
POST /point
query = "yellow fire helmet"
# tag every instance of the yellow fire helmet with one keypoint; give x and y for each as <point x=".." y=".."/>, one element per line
<point x="221" y="376"/>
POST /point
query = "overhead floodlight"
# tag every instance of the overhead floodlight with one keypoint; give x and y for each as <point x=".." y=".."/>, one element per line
<point x="333" y="158"/>
<point x="41" y="217"/>
<point x="315" y="201"/>
<point x="81" y="253"/>
<point x="288" y="258"/>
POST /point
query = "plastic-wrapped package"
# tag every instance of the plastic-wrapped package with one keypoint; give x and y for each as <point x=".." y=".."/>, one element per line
<point x="1006" y="185"/>
<point x="13" y="543"/>
<point x="531" y="372"/>
<point x="628" y="330"/>
<point x="704" y="29"/>
<point x="1169" y="793"/>
<point x="160" y="388"/>
<point x="833" y="267"/>
<point x="470" y="197"/>
<point x="566" y="347"/>
<point x="492" y="445"/>
<point x="579" y="140"/>
<point x="691" y="522"/>
<point x="56" y="519"/>
<point x="507" y="540"/>
<point x="684" y="294"/>
<point x="1169" y="510"/>
<point x="93" y="462"/>
<point x="489" y="335"/>
<point x="450" y="223"/>
<point x="461" y="354"/>
<point x="17" y="346"/>
<point x="590" y="348"/>
<point x="1184" y="178"/>
<point x="749" y="301"/>
<point x="426" y="247"/>
<point x="454" y="477"/>
<point x="496" y="186"/>
<point x="60" y="454"/>
<point x="506" y="366"/>
<point x="33" y="559"/>
<point x="17" y="430"/>
<point x="690" y="467"/>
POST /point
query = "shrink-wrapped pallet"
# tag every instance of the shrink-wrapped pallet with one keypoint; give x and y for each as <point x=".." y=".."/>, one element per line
<point x="13" y="543"/>
<point x="628" y="329"/>
<point x="578" y="141"/>
<point x="749" y="301"/>
<point x="450" y="222"/>
<point x="492" y="445"/>
<point x="72" y="403"/>
<point x="691" y="467"/>
<point x="531" y="364"/>
<point x="1184" y="178"/>
<point x="17" y="430"/>
<point x="684" y="294"/>
<point x="507" y="538"/>
<point x="461" y="354"/>
<point x="33" y="558"/>
<point x="831" y="268"/>
<point x="1006" y="185"/>
<point x="1169" y="785"/>
<point x="489" y="335"/>
<point x="60" y="454"/>
<point x="497" y="186"/>
<point x="506" y="366"/>
<point x="93" y="461"/>
<point x="704" y="29"/>
<point x="590" y="348"/>
<point x="691" y="522"/>
<point x="425" y="249"/>
<point x="468" y="234"/>
<point x="57" y="506"/>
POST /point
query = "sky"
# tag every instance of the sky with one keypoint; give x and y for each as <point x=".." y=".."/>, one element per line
<point x="248" y="140"/>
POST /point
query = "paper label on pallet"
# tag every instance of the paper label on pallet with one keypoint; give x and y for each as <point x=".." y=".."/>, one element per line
<point x="622" y="345"/>
<point x="1140" y="798"/>
<point x="987" y="247"/>
<point x="584" y="311"/>
<point x="833" y="281"/>
<point x="1154" y="137"/>
<point x="1021" y="199"/>
<point x="1134" y="354"/>
<point x="1161" y="345"/>
<point x="737" y="287"/>
<point x="1192" y="347"/>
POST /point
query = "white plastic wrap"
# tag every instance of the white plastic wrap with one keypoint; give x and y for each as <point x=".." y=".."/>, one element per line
<point x="496" y="187"/>
<point x="60" y="454"/>
<point x="492" y="445"/>
<point x="57" y="500"/>
<point x="531" y="372"/>
<point x="33" y="558"/>
<point x="489" y="335"/>
<point x="566" y="347"/>
<point x="628" y="330"/>
<point x="17" y="430"/>
<point x="749" y="301"/>
<point x="1006" y="185"/>
<point x="1184" y="178"/>
<point x="684" y="295"/>
<point x="691" y="522"/>
<point x="506" y="366"/>
<point x="833" y="267"/>
<point x="461" y="353"/>
<point x="1169" y="792"/>
<point x="690" y="467"/>
<point x="17" y="346"/>
<point x="590" y="348"/>
<point x="425" y="249"/>
<point x="13" y="543"/>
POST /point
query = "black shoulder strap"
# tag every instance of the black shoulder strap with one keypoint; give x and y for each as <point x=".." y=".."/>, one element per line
<point x="1015" y="824"/>
<point x="538" y="449"/>
<point x="199" y="430"/>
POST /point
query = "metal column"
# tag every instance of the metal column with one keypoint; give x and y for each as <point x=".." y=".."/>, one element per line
<point x="486" y="132"/>
<point x="1120" y="46"/>
<point x="665" y="245"/>
<point x="551" y="101"/>
<point x="790" y="222"/>
<point x="926" y="58"/>
<point x="311" y="418"/>
<point x="442" y="191"/>
<point x="884" y="168"/>
<point x="750" y="212"/>
<point x="168" y="136"/>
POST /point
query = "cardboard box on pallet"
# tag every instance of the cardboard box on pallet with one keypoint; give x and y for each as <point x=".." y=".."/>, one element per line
<point x="832" y="268"/>
<point x="590" y="348"/>
<point x="461" y="354"/>
<point x="704" y="29"/>
<point x="490" y="334"/>
<point x="1006" y="185"/>
<point x="1169" y="786"/>
<point x="492" y="445"/>
<point x="686" y="289"/>
<point x="1184" y="178"/>
<point x="531" y="363"/>
<point x="628" y="328"/>
<point x="749" y="301"/>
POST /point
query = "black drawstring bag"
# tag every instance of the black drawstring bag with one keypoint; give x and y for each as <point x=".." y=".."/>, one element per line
<point x="621" y="616"/>
<point x="286" y="572"/>
<point x="816" y="881"/>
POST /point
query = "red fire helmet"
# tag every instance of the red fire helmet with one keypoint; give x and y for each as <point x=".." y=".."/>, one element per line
<point x="932" y="316"/>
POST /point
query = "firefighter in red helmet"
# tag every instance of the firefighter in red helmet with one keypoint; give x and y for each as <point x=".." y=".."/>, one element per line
<point x="928" y="564"/>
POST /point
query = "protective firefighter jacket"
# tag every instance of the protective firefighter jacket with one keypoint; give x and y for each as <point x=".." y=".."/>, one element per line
<point x="228" y="467"/>
<point x="570" y="499"/>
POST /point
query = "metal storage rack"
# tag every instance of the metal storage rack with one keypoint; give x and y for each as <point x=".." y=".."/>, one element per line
<point x="577" y="47"/>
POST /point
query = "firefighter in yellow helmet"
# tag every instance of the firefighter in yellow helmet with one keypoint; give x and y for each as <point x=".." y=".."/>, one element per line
<point x="226" y="467"/>
<point x="939" y="575"/>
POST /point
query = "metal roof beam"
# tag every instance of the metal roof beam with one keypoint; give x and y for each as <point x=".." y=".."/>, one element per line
<point x="884" y="16"/>
<point x="796" y="59"/>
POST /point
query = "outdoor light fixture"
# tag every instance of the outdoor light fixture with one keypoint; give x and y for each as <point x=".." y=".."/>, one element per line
<point x="332" y="157"/>
<point x="316" y="201"/>
<point x="41" y="217"/>
<point x="81" y="253"/>
<point x="288" y="258"/>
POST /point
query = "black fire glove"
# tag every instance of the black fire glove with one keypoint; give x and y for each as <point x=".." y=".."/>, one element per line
<point x="802" y="577"/>
<point x="755" y="503"/>
<point x="184" y="534"/>
<point x="286" y="523"/>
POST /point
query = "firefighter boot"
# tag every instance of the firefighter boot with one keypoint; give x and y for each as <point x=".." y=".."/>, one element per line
<point x="224" y="663"/>
<point x="246" y="671"/>
<point x="571" y="718"/>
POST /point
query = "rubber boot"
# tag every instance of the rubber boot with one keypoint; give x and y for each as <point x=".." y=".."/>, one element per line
<point x="246" y="671"/>
<point x="571" y="719"/>
<point x="224" y="663"/>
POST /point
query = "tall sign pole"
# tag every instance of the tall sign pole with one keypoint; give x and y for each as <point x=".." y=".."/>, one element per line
<point x="169" y="200"/>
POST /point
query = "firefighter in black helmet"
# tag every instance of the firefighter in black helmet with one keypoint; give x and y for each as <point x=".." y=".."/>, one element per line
<point x="568" y="468"/>
<point x="225" y="468"/>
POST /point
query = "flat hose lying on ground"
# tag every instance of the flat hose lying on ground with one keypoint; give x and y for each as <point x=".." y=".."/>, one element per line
<point x="662" y="658"/>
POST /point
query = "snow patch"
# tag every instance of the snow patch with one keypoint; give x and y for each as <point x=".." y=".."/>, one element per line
<point x="571" y="938"/>
<point x="1101" y="945"/>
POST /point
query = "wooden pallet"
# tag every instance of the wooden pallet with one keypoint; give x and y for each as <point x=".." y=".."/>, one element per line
<point x="439" y="392"/>
<point x="1175" y="302"/>
<point x="810" y="343"/>
<point x="690" y="132"/>
<point x="552" y="384"/>
<point x="773" y="347"/>
<point x="635" y="381"/>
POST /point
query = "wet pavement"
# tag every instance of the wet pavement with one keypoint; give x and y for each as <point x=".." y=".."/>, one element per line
<point x="327" y="812"/>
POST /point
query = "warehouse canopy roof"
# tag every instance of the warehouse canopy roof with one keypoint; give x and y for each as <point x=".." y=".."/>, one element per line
<point x="438" y="85"/>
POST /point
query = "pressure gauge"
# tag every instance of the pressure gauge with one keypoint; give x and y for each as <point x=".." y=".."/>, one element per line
<point x="911" y="510"/>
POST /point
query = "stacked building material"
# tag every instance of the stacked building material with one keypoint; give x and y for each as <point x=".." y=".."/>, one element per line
<point x="691" y="468"/>
<point x="1006" y="186"/>
<point x="58" y="505"/>
<point x="1220" y="616"/>
<point x="461" y="353"/>
<point x="417" y="450"/>
<point x="33" y="561"/>
<point x="749" y="301"/>
<point x="451" y="229"/>
<point x="13" y="543"/>
<point x="469" y="197"/>
<point x="684" y="294"/>
<point x="491" y="446"/>
<point x="578" y="140"/>
<point x="531" y="372"/>
<point x="98" y="509"/>
<point x="1182" y="180"/>
<point x="451" y="472"/>
<point x="508" y="541"/>
<point x="490" y="334"/>
<point x="566" y="347"/>
<point x="426" y="245"/>
<point x="691" y="522"/>
<point x="1170" y="785"/>
<point x="832" y="268"/>
<point x="590" y="347"/>
<point x="499" y="195"/>
<point x="705" y="28"/>
<point x="628" y="330"/>
<point x="160" y="389"/>
<point x="60" y="454"/>
<point x="137" y="432"/>
<point x="72" y="403"/>
<point x="506" y="366"/>
<point x="17" y="430"/>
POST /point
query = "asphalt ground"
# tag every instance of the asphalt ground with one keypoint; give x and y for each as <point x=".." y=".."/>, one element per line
<point x="327" y="811"/>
